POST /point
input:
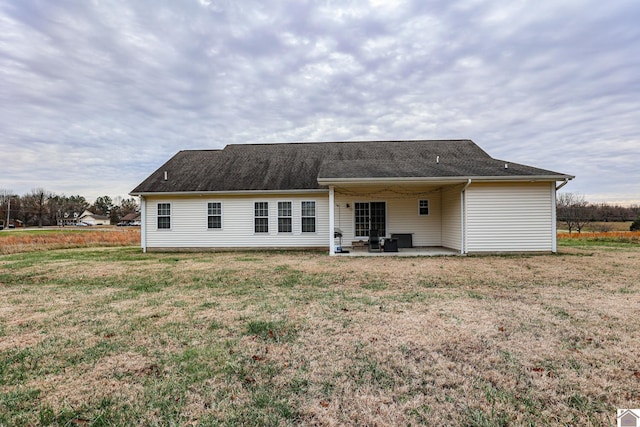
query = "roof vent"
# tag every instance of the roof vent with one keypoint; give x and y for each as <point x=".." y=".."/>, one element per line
<point x="438" y="159"/>
<point x="166" y="175"/>
<point x="506" y="165"/>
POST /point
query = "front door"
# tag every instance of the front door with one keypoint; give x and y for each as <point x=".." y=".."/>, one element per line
<point x="370" y="216"/>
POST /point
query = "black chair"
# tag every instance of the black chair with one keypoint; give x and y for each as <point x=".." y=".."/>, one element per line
<point x="374" y="241"/>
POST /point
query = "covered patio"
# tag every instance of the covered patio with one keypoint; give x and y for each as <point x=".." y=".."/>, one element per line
<point x="421" y="218"/>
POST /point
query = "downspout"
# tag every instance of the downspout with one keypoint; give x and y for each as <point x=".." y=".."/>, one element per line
<point x="554" y="219"/>
<point x="143" y="226"/>
<point x="463" y="219"/>
<point x="332" y="221"/>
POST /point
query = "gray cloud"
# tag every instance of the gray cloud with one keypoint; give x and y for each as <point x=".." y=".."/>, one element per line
<point x="95" y="95"/>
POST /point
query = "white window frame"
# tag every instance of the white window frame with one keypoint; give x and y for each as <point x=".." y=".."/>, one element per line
<point x="209" y="215"/>
<point x="158" y="216"/>
<point x="420" y="207"/>
<point x="290" y="217"/>
<point x="314" y="216"/>
<point x="255" y="217"/>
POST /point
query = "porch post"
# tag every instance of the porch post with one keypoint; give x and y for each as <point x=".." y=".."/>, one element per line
<point x="463" y="217"/>
<point x="332" y="221"/>
<point x="554" y="231"/>
<point x="143" y="223"/>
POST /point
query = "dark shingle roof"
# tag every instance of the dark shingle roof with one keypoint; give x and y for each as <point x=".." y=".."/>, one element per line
<point x="300" y="165"/>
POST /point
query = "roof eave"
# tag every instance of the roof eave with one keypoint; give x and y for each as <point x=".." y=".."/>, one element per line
<point x="226" y="193"/>
<point x="449" y="180"/>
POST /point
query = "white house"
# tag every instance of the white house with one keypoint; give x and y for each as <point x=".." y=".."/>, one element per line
<point x="427" y="193"/>
<point x="90" y="218"/>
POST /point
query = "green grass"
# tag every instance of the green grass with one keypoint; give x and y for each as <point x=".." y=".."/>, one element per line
<point x="375" y="285"/>
<point x="276" y="331"/>
<point x="592" y="243"/>
<point x="116" y="337"/>
<point x="587" y="240"/>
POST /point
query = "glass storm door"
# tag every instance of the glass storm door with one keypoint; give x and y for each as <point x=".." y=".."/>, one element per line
<point x="370" y="216"/>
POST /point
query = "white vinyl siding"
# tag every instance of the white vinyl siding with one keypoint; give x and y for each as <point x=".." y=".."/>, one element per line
<point x="452" y="218"/>
<point x="404" y="217"/>
<point x="509" y="217"/>
<point x="499" y="217"/>
<point x="188" y="222"/>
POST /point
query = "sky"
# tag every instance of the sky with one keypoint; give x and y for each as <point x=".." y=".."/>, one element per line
<point x="96" y="95"/>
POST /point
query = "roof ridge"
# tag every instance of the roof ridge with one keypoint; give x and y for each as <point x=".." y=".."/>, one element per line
<point x="345" y="142"/>
<point x="201" y="150"/>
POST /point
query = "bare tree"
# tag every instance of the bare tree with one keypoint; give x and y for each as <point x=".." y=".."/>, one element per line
<point x="129" y="205"/>
<point x="5" y="206"/>
<point x="36" y="203"/>
<point x="122" y="207"/>
<point x="573" y="210"/>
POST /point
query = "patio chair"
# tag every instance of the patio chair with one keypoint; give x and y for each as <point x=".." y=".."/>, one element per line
<point x="374" y="241"/>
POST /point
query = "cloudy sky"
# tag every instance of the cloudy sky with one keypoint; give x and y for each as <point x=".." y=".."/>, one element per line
<point x="95" y="95"/>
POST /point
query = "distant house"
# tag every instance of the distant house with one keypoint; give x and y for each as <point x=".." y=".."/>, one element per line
<point x="131" y="219"/>
<point x="431" y="193"/>
<point x="67" y="219"/>
<point x="90" y="218"/>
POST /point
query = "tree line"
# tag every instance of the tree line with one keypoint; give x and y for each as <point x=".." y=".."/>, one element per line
<point x="41" y="208"/>
<point x="575" y="212"/>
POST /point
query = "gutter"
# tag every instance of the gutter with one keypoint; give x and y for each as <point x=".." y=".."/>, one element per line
<point x="442" y="179"/>
<point x="227" y="193"/>
<point x="381" y="180"/>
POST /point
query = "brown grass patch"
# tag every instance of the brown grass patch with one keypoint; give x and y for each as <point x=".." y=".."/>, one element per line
<point x="39" y="240"/>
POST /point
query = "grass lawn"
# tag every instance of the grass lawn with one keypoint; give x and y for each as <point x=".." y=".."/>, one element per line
<point x="111" y="336"/>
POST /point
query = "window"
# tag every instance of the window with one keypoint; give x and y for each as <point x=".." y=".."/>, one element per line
<point x="423" y="207"/>
<point x="164" y="216"/>
<point x="309" y="217"/>
<point x="214" y="215"/>
<point x="261" y="217"/>
<point x="284" y="217"/>
<point x="370" y="216"/>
